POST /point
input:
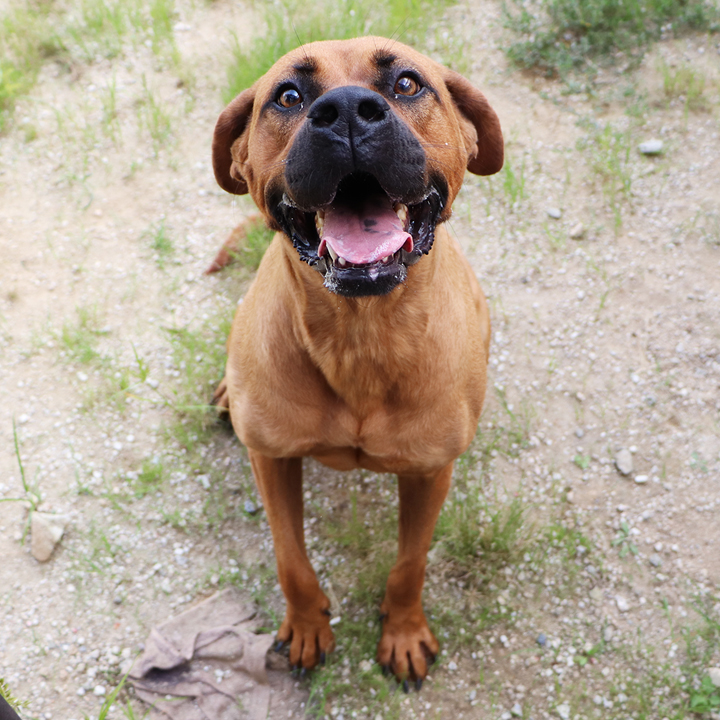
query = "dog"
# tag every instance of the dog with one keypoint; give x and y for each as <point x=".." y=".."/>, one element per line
<point x="363" y="340"/>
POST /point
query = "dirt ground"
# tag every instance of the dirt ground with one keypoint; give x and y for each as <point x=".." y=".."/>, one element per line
<point x="602" y="267"/>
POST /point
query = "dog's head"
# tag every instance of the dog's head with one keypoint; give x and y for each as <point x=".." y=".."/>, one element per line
<point x="355" y="150"/>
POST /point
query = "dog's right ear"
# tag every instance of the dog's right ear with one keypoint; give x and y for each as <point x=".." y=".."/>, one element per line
<point x="228" y="154"/>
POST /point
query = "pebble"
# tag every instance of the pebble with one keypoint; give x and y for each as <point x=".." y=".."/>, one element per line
<point x="596" y="595"/>
<point x="452" y="665"/>
<point x="99" y="690"/>
<point x="577" y="232"/>
<point x="579" y="433"/>
<point x="516" y="710"/>
<point x="250" y="507"/>
<point x="651" y="147"/>
<point x="46" y="531"/>
<point x="621" y="603"/>
<point x="641" y="479"/>
<point x="655" y="560"/>
<point x="542" y="640"/>
<point x="563" y="710"/>
<point x="554" y="212"/>
<point x="608" y="633"/>
<point x="714" y="673"/>
<point x="624" y="461"/>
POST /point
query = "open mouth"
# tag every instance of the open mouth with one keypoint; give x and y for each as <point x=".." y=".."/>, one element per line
<point x="363" y="241"/>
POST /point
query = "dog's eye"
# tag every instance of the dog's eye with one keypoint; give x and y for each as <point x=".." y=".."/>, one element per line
<point x="407" y="85"/>
<point x="289" y="98"/>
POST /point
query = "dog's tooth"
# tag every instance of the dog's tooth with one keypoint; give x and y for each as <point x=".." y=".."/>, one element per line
<point x="402" y="212"/>
<point x="385" y="260"/>
<point x="341" y="261"/>
<point x="319" y="221"/>
<point x="333" y="254"/>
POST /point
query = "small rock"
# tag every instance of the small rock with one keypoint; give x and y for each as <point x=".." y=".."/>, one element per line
<point x="554" y="212"/>
<point x="365" y="666"/>
<point x="98" y="690"/>
<point x="505" y="716"/>
<point x="577" y="232"/>
<point x="608" y="633"/>
<point x="714" y="674"/>
<point x="46" y="531"/>
<point x="651" y="147"/>
<point x="579" y="433"/>
<point x="641" y="479"/>
<point x="541" y="640"/>
<point x="563" y="711"/>
<point x="596" y="595"/>
<point x="655" y="560"/>
<point x="452" y="665"/>
<point x="624" y="461"/>
<point x="621" y="603"/>
<point x="516" y="710"/>
<point x="250" y="507"/>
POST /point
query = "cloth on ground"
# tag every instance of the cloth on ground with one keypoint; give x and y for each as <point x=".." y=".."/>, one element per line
<point x="206" y="664"/>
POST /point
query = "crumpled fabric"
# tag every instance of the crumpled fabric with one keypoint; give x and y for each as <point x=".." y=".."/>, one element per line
<point x="206" y="664"/>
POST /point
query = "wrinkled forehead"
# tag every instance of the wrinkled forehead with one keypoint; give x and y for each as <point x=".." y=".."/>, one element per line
<point x="364" y="61"/>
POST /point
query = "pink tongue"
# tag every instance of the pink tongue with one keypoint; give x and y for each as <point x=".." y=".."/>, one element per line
<point x="364" y="233"/>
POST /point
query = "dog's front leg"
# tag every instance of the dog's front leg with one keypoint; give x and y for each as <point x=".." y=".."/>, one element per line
<point x="407" y="643"/>
<point x="307" y="618"/>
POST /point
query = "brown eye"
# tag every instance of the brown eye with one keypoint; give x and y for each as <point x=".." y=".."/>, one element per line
<point x="407" y="85"/>
<point x="289" y="98"/>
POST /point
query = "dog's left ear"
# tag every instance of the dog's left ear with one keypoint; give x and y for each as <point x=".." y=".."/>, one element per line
<point x="232" y="124"/>
<point x="479" y="123"/>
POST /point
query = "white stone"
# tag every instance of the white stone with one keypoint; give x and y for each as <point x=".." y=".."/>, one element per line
<point x="641" y="479"/>
<point x="46" y="531"/>
<point x="516" y="710"/>
<point x="714" y="674"/>
<point x="624" y="461"/>
<point x="563" y="711"/>
<point x="98" y="691"/>
<point x="554" y="212"/>
<point x="621" y="603"/>
<point x="577" y="231"/>
<point x="651" y="147"/>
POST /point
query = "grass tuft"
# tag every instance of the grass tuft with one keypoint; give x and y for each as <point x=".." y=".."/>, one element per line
<point x="291" y="23"/>
<point x="562" y="36"/>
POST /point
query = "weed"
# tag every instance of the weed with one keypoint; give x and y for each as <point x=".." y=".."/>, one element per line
<point x="684" y="84"/>
<point x="160" y="242"/>
<point x="561" y="36"/>
<point x="150" y="477"/>
<point x="110" y="123"/>
<point x="513" y="183"/>
<point x="609" y="156"/>
<point x="258" y="237"/>
<point x="80" y="339"/>
<point x="624" y="541"/>
<point x="6" y="695"/>
<point x="162" y="13"/>
<point x="582" y="461"/>
<point x="200" y="357"/>
<point x="154" y="117"/>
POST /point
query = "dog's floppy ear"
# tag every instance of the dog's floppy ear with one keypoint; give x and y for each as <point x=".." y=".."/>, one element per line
<point x="481" y="126"/>
<point x="231" y="125"/>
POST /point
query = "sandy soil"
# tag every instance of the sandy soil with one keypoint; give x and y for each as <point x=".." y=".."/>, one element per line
<point x="605" y="342"/>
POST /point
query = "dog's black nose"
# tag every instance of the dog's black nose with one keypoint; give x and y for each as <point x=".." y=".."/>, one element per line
<point x="348" y="108"/>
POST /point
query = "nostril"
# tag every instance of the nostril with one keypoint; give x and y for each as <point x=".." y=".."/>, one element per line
<point x="371" y="111"/>
<point x="325" y="115"/>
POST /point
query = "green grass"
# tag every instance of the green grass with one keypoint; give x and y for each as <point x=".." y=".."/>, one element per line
<point x="685" y="84"/>
<point x="82" y="32"/>
<point x="291" y="23"/>
<point x="200" y="356"/>
<point x="608" y="153"/>
<point x="558" y="37"/>
<point x="6" y="695"/>
<point x="80" y="338"/>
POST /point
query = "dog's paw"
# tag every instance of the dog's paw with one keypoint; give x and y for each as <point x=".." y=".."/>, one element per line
<point x="407" y="646"/>
<point x="309" y="635"/>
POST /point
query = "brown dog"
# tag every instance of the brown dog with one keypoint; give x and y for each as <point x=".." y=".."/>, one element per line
<point x="363" y="340"/>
